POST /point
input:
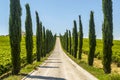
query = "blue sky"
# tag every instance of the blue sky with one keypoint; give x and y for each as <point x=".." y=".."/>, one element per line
<point x="58" y="15"/>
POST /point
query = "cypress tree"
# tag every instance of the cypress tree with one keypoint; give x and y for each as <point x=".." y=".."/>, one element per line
<point x="29" y="34"/>
<point x="15" y="34"/>
<point x="80" y="38"/>
<point x="51" y="37"/>
<point x="54" y="39"/>
<point x="69" y="42"/>
<point x="41" y="39"/>
<point x="92" y="39"/>
<point x="47" y="41"/>
<point x="75" y="39"/>
<point x="44" y="42"/>
<point x="107" y="31"/>
<point x="38" y="38"/>
<point x="66" y="40"/>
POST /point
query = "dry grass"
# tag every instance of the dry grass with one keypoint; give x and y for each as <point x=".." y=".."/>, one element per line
<point x="98" y="64"/>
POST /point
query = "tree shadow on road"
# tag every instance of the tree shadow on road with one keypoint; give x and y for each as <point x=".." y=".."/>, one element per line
<point x="45" y="77"/>
<point x="48" y="67"/>
<point x="53" y="59"/>
<point x="52" y="62"/>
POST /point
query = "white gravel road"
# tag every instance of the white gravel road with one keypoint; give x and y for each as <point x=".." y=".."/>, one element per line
<point x="59" y="67"/>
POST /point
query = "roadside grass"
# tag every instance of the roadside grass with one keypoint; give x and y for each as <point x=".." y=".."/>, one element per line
<point x="5" y="55"/>
<point x="97" y="69"/>
<point x="27" y="69"/>
<point x="5" y="59"/>
<point x="115" y="77"/>
<point x="94" y="70"/>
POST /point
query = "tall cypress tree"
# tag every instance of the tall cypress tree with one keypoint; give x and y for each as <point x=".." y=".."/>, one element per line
<point x="70" y="42"/>
<point x="44" y="42"/>
<point x="41" y="39"/>
<point x="29" y="34"/>
<point x="15" y="34"/>
<point x="38" y="38"/>
<point x="66" y="40"/>
<point x="107" y="30"/>
<point x="47" y="41"/>
<point x="80" y="38"/>
<point x="75" y="39"/>
<point x="92" y="39"/>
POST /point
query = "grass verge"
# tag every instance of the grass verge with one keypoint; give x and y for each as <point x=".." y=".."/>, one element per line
<point x="26" y="70"/>
<point x="97" y="72"/>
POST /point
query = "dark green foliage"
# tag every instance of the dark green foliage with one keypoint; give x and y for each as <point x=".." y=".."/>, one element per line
<point x="38" y="38"/>
<point x="29" y="34"/>
<point x="75" y="39"/>
<point x="65" y="37"/>
<point x="70" y="42"/>
<point x="107" y="30"/>
<point x="41" y="39"/>
<point x="80" y="38"/>
<point x="15" y="34"/>
<point x="47" y="41"/>
<point x="62" y="40"/>
<point x="92" y="39"/>
<point x="66" y="40"/>
<point x="44" y="41"/>
<point x="50" y="41"/>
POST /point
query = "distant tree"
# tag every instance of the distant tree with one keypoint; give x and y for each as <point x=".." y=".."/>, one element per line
<point x="64" y="40"/>
<point x="15" y="34"/>
<point x="107" y="31"/>
<point x="41" y="39"/>
<point x="80" y="38"/>
<point x="92" y="39"/>
<point x="29" y="34"/>
<point x="44" y="42"/>
<point x="38" y="38"/>
<point x="66" y="36"/>
<point x="50" y="40"/>
<point x="75" y="39"/>
<point x="47" y="41"/>
<point x="70" y="42"/>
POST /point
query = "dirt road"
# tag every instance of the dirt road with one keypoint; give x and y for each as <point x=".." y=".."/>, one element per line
<point x="59" y="67"/>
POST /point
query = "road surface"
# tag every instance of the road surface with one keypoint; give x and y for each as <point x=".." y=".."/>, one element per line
<point x="59" y="67"/>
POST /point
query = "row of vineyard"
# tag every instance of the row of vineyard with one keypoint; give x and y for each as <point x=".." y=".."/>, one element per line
<point x="98" y="53"/>
<point x="5" y="55"/>
<point x="18" y="50"/>
<point x="106" y="49"/>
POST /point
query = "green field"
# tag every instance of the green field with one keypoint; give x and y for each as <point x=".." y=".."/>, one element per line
<point x="98" y="53"/>
<point x="5" y="55"/>
<point x="97" y="68"/>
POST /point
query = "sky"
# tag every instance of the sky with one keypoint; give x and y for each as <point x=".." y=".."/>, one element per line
<point x="58" y="15"/>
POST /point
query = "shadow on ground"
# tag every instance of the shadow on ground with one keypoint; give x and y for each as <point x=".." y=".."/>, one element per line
<point x="53" y="59"/>
<point x="48" y="66"/>
<point x="52" y="62"/>
<point x="45" y="77"/>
